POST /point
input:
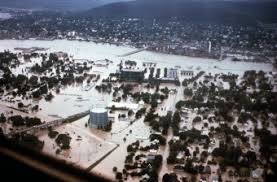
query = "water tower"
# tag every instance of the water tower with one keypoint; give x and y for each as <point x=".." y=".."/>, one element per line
<point x="98" y="117"/>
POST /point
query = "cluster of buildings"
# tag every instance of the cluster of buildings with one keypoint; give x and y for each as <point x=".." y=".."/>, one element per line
<point x="139" y="75"/>
<point x="100" y="118"/>
<point x="174" y="36"/>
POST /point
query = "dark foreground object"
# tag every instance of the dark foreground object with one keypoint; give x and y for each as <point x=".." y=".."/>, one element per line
<point x="18" y="162"/>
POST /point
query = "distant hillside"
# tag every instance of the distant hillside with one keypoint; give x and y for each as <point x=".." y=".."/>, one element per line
<point x="66" y="5"/>
<point x="215" y="11"/>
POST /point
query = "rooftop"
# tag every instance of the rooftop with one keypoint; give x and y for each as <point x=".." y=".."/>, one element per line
<point x="123" y="105"/>
<point x="98" y="110"/>
<point x="132" y="70"/>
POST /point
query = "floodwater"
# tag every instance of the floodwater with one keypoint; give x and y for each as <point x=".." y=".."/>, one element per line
<point x="98" y="51"/>
<point x="5" y="16"/>
<point x="73" y="99"/>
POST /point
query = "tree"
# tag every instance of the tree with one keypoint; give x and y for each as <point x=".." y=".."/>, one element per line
<point x="157" y="162"/>
<point x="180" y="104"/>
<point x="175" y="122"/>
<point x="52" y="134"/>
<point x="114" y="169"/>
<point x="176" y="117"/>
<point x="160" y="138"/>
<point x="165" y="72"/>
<point x="188" y="92"/>
<point x="172" y="177"/>
<point x="2" y="118"/>
<point x="196" y="119"/>
<point x="32" y="121"/>
<point x="49" y="97"/>
<point x="33" y="80"/>
<point x="130" y="113"/>
<point x="140" y="112"/>
<point x="17" y="120"/>
<point x="243" y="117"/>
<point x="154" y="103"/>
<point x="63" y="140"/>
<point x="20" y="79"/>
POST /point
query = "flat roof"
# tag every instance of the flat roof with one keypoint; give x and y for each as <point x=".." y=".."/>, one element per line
<point x="123" y="105"/>
<point x="132" y="70"/>
<point x="98" y="110"/>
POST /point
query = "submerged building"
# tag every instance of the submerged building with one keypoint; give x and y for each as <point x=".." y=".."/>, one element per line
<point x="132" y="75"/>
<point x="173" y="73"/>
<point x="98" y="118"/>
<point x="186" y="72"/>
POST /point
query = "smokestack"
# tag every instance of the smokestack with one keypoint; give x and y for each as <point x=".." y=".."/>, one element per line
<point x="210" y="47"/>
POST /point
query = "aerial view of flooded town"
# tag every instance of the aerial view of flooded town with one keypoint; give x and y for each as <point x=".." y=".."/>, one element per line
<point x="140" y="97"/>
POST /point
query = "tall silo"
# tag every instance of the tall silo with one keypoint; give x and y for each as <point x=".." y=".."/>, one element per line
<point x="98" y="118"/>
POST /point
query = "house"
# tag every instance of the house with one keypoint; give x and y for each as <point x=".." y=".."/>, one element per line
<point x="176" y="138"/>
<point x="150" y="158"/>
<point x="61" y="55"/>
<point x="145" y="177"/>
<point x="215" y="179"/>
<point x="123" y="106"/>
<point x="179" y="168"/>
<point x="203" y="179"/>
<point x="153" y="152"/>
<point x="149" y="64"/>
<point x="180" y="156"/>
<point x="1" y="73"/>
<point x="257" y="173"/>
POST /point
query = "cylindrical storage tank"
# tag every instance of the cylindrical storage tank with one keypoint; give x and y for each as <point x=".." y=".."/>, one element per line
<point x="98" y="118"/>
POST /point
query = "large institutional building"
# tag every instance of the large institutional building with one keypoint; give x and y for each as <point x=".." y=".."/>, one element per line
<point x="173" y="73"/>
<point x="132" y="75"/>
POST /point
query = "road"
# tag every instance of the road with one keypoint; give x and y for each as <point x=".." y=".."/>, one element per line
<point x="170" y="104"/>
<point x="133" y="52"/>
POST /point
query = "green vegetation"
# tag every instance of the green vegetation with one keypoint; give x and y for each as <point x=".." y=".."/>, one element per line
<point x="175" y="122"/>
<point x="52" y="134"/>
<point x="18" y="120"/>
<point x="140" y="112"/>
<point x="63" y="141"/>
<point x="3" y="119"/>
<point x="197" y="119"/>
<point x="158" y="137"/>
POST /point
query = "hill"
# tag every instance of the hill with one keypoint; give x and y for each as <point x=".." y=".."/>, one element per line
<point x="207" y="11"/>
